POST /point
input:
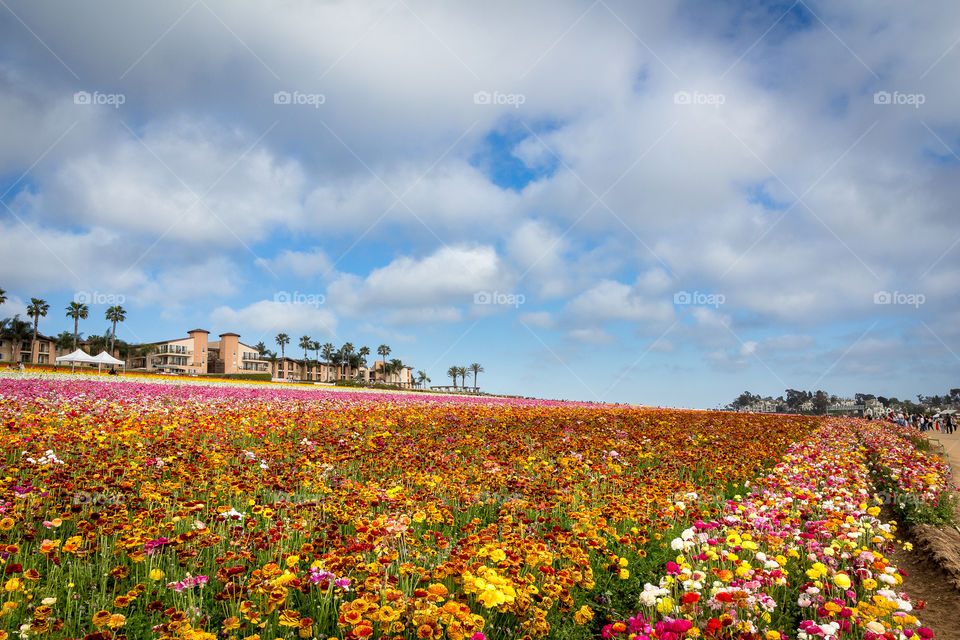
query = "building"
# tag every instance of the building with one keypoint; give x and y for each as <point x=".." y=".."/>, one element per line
<point x="287" y="368"/>
<point x="45" y="350"/>
<point x="197" y="355"/>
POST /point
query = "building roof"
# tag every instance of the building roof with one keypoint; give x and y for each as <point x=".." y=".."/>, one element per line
<point x="197" y="331"/>
<point x="229" y="334"/>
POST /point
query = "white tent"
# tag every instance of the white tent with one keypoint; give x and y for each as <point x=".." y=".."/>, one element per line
<point x="75" y="357"/>
<point x="103" y="358"/>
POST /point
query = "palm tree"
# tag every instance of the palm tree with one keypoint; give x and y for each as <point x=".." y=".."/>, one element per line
<point x="383" y="351"/>
<point x="475" y="368"/>
<point x="363" y="353"/>
<point x="78" y="311"/>
<point x="355" y="362"/>
<point x="261" y="348"/>
<point x="463" y="375"/>
<point x="422" y="377"/>
<point x="283" y="340"/>
<point x="306" y="342"/>
<point x="63" y="340"/>
<point x="328" y="354"/>
<point x="453" y="372"/>
<point x="115" y="314"/>
<point x="36" y="309"/>
<point x="97" y="343"/>
<point x="3" y="296"/>
<point x="17" y="331"/>
<point x="345" y="354"/>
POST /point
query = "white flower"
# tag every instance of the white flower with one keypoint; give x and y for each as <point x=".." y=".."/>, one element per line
<point x="677" y="544"/>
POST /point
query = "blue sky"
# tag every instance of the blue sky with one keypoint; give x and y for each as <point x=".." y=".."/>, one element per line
<point x="664" y="203"/>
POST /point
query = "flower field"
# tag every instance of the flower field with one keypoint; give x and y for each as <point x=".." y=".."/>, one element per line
<point x="141" y="510"/>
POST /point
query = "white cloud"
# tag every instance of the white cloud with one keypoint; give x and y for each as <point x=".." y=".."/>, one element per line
<point x="591" y="336"/>
<point x="268" y="317"/>
<point x="612" y="300"/>
<point x="304" y="264"/>
<point x="450" y="275"/>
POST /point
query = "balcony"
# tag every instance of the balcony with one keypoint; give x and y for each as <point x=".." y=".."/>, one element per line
<point x="249" y="355"/>
<point x="180" y="351"/>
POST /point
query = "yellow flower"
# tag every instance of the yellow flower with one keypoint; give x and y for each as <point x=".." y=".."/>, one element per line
<point x="583" y="615"/>
<point x="7" y="523"/>
<point x="101" y="618"/>
<point x="772" y="635"/>
<point x="156" y="574"/>
<point x="665" y="605"/>
<point x="13" y="584"/>
<point x="842" y="580"/>
<point x="292" y="561"/>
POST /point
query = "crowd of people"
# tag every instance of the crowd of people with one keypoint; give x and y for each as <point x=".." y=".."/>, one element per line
<point x="942" y="423"/>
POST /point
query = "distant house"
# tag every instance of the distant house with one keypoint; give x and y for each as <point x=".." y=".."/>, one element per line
<point x="196" y="354"/>
<point x="45" y="350"/>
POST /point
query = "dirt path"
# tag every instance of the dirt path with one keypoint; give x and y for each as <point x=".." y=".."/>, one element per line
<point x="951" y="446"/>
<point x="925" y="578"/>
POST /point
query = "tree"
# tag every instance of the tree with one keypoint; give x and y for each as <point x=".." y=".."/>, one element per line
<point x="821" y="401"/>
<point x="16" y="330"/>
<point x="283" y="340"/>
<point x="3" y="296"/>
<point x="744" y="400"/>
<point x="328" y="355"/>
<point x="795" y="399"/>
<point x="463" y="376"/>
<point x="453" y="372"/>
<point x="345" y="354"/>
<point x="37" y="309"/>
<point x="306" y="342"/>
<point x="315" y="347"/>
<point x="383" y="351"/>
<point x="78" y="311"/>
<point x="261" y="348"/>
<point x="475" y="368"/>
<point x="63" y="340"/>
<point x="363" y="353"/>
<point x="422" y="378"/>
<point x="115" y="314"/>
<point x="396" y="367"/>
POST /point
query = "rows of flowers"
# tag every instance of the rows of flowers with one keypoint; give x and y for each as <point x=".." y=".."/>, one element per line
<point x="803" y="554"/>
<point x="908" y="479"/>
<point x="157" y="511"/>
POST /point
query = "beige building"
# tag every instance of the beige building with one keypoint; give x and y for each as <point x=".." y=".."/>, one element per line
<point x="288" y="368"/>
<point x="44" y="351"/>
<point x="197" y="354"/>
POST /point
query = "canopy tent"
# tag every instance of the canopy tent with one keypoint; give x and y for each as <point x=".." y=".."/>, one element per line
<point x="75" y="357"/>
<point x="103" y="358"/>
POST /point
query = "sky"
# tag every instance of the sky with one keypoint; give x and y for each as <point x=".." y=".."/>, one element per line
<point x="664" y="202"/>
